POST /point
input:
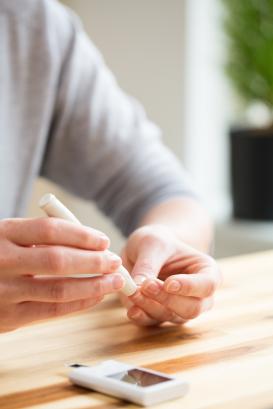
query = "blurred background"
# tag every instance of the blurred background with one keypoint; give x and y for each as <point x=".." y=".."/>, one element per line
<point x="204" y="72"/>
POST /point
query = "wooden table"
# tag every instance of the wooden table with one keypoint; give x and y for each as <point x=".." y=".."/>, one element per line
<point x="226" y="355"/>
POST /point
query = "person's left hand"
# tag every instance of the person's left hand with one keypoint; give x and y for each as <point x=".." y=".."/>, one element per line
<point x="177" y="282"/>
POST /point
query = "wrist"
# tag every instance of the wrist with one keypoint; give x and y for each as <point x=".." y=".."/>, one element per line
<point x="188" y="221"/>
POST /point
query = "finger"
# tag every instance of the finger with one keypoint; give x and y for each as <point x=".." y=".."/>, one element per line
<point x="139" y="317"/>
<point x="151" y="307"/>
<point x="54" y="231"/>
<point x="189" y="261"/>
<point x="185" y="307"/>
<point x="177" y="320"/>
<point x="58" y="260"/>
<point x="125" y="300"/>
<point x="152" y="255"/>
<point x="193" y="285"/>
<point x="9" y="289"/>
<point x="63" y="290"/>
<point x="34" y="311"/>
<point x="193" y="311"/>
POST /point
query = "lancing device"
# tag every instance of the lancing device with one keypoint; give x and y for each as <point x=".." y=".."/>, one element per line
<point x="54" y="208"/>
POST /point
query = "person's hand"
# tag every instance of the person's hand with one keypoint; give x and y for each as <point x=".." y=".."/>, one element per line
<point x="31" y="250"/>
<point x="176" y="281"/>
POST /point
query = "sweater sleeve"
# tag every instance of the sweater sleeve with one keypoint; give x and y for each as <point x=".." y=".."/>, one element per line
<point x="101" y="145"/>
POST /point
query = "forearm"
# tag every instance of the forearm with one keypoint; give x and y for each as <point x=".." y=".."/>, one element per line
<point x="187" y="217"/>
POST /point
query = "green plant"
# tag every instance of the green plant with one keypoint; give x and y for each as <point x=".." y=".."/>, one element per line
<point x="248" y="26"/>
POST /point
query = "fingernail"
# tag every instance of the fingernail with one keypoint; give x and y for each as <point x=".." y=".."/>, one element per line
<point x="139" y="279"/>
<point x="114" y="260"/>
<point x="104" y="240"/>
<point x="152" y="288"/>
<point x="117" y="281"/>
<point x="173" y="286"/>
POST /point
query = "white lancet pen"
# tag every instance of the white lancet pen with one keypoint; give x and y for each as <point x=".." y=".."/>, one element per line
<point x="54" y="208"/>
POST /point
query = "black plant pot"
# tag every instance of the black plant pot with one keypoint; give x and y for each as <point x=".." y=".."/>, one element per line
<point x="252" y="173"/>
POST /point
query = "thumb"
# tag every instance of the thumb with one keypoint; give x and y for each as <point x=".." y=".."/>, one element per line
<point x="151" y="257"/>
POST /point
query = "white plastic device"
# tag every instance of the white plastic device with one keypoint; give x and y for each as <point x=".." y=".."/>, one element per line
<point x="53" y="207"/>
<point x="139" y="385"/>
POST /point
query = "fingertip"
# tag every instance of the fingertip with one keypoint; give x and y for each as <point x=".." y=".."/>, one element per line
<point x="104" y="243"/>
<point x="118" y="281"/>
<point x="96" y="239"/>
<point x="172" y="286"/>
<point x="114" y="261"/>
<point x="135" y="295"/>
<point x="134" y="313"/>
<point x="140" y="318"/>
<point x="151" y="287"/>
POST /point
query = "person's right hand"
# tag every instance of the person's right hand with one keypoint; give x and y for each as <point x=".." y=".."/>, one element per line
<point x="33" y="249"/>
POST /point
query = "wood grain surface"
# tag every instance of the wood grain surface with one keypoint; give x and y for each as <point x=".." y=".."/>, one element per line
<point x="226" y="355"/>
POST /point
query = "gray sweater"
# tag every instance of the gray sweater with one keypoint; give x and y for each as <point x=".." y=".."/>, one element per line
<point x="63" y="116"/>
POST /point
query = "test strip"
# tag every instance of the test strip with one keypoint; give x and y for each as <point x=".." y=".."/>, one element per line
<point x="54" y="208"/>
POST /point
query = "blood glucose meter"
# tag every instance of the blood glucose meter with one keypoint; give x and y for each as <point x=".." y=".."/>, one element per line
<point x="139" y="385"/>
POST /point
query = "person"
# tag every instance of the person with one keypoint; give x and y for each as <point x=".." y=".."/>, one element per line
<point x="64" y="117"/>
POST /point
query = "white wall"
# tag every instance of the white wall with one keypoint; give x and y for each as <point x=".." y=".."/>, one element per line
<point x="142" y="41"/>
<point x="208" y="105"/>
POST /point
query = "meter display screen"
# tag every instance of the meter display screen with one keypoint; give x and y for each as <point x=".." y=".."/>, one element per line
<point x="139" y="377"/>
